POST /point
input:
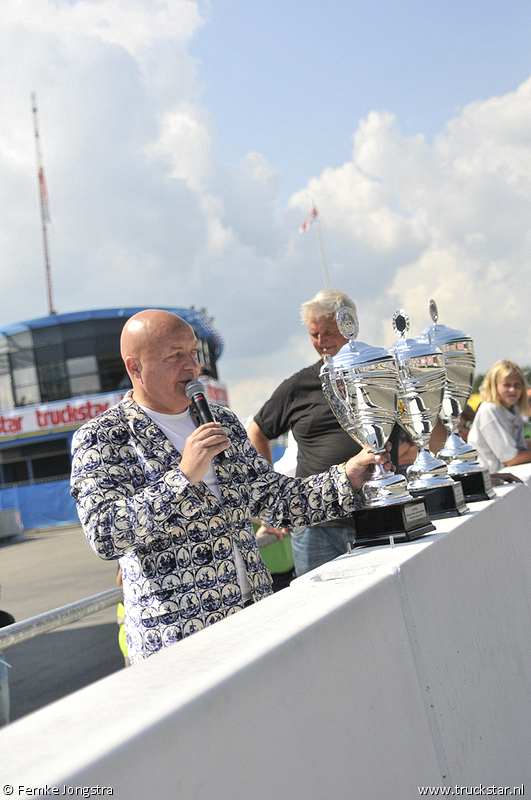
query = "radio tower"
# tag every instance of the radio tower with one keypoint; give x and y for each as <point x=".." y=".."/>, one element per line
<point x="45" y="215"/>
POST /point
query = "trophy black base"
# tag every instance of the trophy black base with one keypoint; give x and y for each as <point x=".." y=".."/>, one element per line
<point x="476" y="485"/>
<point x="443" y="501"/>
<point x="403" y="521"/>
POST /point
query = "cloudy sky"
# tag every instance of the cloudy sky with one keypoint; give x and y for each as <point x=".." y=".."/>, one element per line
<point x="184" y="143"/>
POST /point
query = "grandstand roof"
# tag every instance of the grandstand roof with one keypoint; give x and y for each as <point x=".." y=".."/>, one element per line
<point x="198" y="319"/>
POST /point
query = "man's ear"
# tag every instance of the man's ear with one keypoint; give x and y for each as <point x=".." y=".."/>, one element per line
<point x="133" y="367"/>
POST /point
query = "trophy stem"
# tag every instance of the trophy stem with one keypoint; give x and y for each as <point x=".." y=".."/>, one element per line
<point x="384" y="488"/>
<point x="427" y="471"/>
<point x="460" y="456"/>
<point x="464" y="467"/>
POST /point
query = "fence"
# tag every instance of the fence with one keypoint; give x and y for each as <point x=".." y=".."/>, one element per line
<point x="42" y="623"/>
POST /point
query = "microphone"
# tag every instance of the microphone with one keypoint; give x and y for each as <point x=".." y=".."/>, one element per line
<point x="195" y="391"/>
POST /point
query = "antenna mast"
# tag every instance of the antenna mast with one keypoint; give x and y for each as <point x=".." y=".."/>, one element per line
<point x="45" y="216"/>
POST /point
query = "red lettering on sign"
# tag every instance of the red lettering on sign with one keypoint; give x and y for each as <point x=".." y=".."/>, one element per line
<point x="69" y="415"/>
<point x="10" y="424"/>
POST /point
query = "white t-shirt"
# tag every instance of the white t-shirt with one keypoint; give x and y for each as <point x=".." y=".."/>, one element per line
<point x="177" y="428"/>
<point x="497" y="433"/>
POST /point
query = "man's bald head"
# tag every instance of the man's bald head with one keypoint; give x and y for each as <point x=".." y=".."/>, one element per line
<point x="159" y="350"/>
<point x="148" y="329"/>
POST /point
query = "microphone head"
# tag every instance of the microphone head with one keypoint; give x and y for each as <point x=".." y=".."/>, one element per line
<point x="192" y="388"/>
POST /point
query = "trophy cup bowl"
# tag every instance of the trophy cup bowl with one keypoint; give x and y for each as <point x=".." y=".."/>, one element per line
<point x="361" y="385"/>
<point x="461" y="458"/>
<point x="422" y="383"/>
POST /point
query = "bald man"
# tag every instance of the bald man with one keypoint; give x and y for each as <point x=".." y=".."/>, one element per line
<point x="152" y="492"/>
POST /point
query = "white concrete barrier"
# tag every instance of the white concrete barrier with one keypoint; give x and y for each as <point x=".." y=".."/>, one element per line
<point x="380" y="675"/>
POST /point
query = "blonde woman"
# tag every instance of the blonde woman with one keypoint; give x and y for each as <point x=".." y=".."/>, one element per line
<point x="497" y="432"/>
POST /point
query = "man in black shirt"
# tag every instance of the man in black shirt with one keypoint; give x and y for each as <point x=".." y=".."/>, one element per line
<point x="299" y="405"/>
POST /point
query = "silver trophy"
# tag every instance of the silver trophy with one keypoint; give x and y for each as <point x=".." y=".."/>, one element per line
<point x="422" y="383"/>
<point x="361" y="385"/>
<point x="460" y="362"/>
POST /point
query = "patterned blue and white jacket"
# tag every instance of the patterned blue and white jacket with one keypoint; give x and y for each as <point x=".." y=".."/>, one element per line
<point x="174" y="540"/>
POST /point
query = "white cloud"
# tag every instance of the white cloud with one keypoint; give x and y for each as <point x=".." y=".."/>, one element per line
<point x="132" y="24"/>
<point x="185" y="142"/>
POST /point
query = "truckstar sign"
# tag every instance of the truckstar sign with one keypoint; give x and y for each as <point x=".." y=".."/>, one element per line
<point x="70" y="414"/>
<point x="53" y="416"/>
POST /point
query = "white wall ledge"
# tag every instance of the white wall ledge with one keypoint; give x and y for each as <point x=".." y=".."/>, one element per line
<point x="382" y="671"/>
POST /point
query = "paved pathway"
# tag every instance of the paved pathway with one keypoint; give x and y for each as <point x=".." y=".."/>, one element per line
<point x="45" y="571"/>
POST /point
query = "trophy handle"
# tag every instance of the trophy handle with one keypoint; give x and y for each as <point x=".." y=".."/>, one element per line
<point x="335" y="385"/>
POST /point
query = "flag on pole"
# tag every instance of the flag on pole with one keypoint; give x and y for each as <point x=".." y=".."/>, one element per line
<point x="44" y="196"/>
<point x="306" y="225"/>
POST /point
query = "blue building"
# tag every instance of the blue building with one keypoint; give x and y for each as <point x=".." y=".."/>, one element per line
<point x="55" y="373"/>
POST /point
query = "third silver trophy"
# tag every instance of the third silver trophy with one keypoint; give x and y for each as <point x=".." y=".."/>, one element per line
<point x="459" y="358"/>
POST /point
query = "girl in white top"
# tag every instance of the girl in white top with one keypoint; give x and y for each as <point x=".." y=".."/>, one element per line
<point x="497" y="432"/>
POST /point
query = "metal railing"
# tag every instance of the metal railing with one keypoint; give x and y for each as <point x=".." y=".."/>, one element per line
<point x="42" y="623"/>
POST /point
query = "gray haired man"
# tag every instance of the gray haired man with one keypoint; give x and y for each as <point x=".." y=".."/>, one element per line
<point x="299" y="405"/>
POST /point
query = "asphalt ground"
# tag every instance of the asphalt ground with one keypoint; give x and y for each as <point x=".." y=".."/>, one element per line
<point x="44" y="571"/>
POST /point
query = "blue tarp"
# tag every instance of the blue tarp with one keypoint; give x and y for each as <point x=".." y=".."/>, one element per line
<point x="41" y="505"/>
<point x="45" y="505"/>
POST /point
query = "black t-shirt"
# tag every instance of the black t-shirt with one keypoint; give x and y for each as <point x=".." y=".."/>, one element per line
<point x="300" y="405"/>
